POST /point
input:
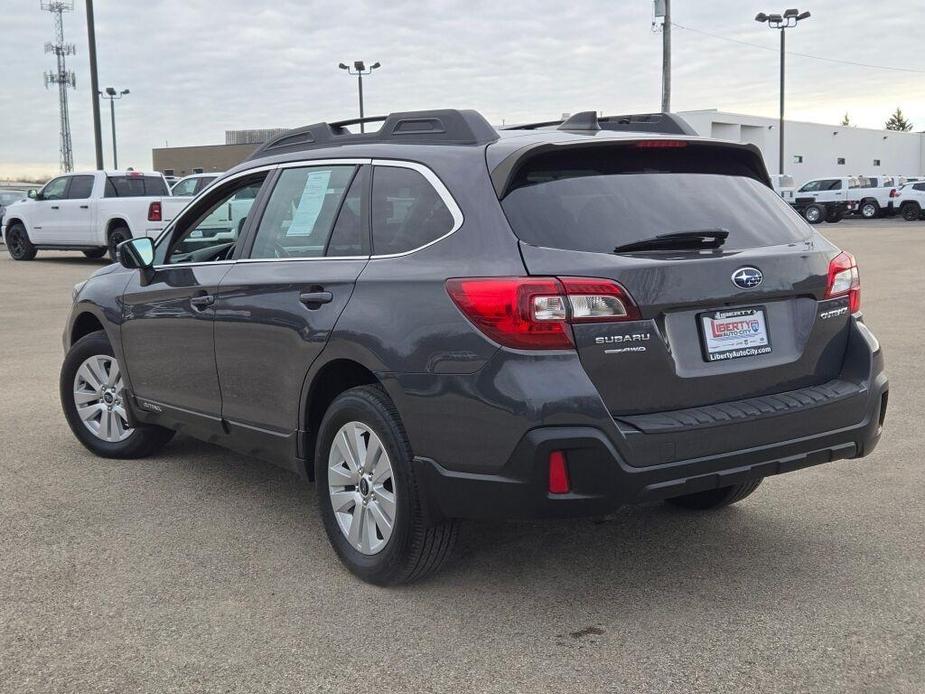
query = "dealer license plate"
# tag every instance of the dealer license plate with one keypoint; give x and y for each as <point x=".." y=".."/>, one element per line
<point x="734" y="333"/>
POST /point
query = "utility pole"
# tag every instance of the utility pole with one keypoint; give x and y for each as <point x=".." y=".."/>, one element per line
<point x="62" y="77"/>
<point x="95" y="87"/>
<point x="666" y="59"/>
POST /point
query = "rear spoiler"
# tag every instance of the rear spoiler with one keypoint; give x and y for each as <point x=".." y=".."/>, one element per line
<point x="505" y="171"/>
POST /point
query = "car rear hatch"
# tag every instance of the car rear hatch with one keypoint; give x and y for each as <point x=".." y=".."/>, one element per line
<point x="741" y="313"/>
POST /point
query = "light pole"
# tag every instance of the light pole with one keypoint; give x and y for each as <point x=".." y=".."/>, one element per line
<point x="360" y="69"/>
<point x="781" y="23"/>
<point x="111" y="94"/>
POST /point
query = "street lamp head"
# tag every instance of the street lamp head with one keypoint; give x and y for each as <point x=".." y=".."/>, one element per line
<point x="359" y="65"/>
<point x="375" y="66"/>
<point x="761" y="17"/>
<point x="775" y="18"/>
<point x="111" y="91"/>
<point x="125" y="91"/>
<point x="791" y="13"/>
<point x="342" y="66"/>
<point x="803" y="15"/>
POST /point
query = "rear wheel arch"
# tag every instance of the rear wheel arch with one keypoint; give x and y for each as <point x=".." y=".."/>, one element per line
<point x="114" y="224"/>
<point x="332" y="379"/>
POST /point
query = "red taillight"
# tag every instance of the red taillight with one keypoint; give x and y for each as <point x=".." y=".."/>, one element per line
<point x="558" y="474"/>
<point x="894" y="193"/>
<point x="536" y="312"/>
<point x="660" y="144"/>
<point x="154" y="212"/>
<point x="844" y="280"/>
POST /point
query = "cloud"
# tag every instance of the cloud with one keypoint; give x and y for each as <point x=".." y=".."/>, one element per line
<point x="197" y="68"/>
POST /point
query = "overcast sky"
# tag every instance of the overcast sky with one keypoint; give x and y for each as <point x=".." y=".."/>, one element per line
<point x="196" y="67"/>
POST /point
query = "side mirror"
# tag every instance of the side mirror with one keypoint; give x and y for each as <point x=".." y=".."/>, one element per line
<point x="33" y="194"/>
<point x="136" y="253"/>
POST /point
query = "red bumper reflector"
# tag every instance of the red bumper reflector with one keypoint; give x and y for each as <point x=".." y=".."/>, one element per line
<point x="558" y="474"/>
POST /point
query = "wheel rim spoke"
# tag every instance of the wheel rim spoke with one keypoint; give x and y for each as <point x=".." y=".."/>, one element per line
<point x="89" y="411"/>
<point x="361" y="488"/>
<point x="385" y="500"/>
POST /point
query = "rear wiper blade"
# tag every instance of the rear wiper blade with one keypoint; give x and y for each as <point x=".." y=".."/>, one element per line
<point x="680" y="240"/>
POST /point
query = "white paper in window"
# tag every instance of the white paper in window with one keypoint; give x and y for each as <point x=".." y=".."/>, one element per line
<point x="303" y="221"/>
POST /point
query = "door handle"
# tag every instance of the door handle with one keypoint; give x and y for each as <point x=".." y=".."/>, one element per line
<point x="203" y="301"/>
<point x="55" y="207"/>
<point x="315" y="299"/>
<point x="85" y="207"/>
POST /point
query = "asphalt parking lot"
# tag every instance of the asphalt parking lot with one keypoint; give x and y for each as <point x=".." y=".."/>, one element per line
<point x="202" y="570"/>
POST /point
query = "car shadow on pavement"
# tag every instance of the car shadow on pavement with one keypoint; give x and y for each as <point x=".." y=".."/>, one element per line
<point x="91" y="263"/>
<point x="639" y="551"/>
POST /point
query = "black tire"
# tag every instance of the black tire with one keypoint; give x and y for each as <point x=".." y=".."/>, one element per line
<point x="715" y="498"/>
<point x="144" y="440"/>
<point x="96" y="252"/>
<point x="415" y="548"/>
<point x="117" y="236"/>
<point x="911" y="212"/>
<point x="834" y="217"/>
<point x="18" y="244"/>
<point x="869" y="209"/>
<point x="814" y="214"/>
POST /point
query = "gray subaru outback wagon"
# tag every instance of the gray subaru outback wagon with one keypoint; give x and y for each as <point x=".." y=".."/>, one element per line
<point x="440" y="320"/>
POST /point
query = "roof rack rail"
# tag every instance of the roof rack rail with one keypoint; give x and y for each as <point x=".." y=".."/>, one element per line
<point x="664" y="123"/>
<point x="438" y="127"/>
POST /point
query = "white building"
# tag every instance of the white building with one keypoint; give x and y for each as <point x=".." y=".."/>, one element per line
<point x="815" y="150"/>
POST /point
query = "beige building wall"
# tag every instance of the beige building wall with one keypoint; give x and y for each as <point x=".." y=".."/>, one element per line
<point x="182" y="161"/>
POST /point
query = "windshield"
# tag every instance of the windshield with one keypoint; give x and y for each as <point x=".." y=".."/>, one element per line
<point x="590" y="202"/>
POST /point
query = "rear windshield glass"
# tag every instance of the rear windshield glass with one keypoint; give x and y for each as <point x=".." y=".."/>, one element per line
<point x="134" y="186"/>
<point x="595" y="200"/>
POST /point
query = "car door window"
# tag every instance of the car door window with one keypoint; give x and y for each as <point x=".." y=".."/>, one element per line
<point x="919" y="186"/>
<point x="213" y="226"/>
<point x="203" y="183"/>
<point x="834" y="184"/>
<point x="185" y="187"/>
<point x="300" y="213"/>
<point x="407" y="212"/>
<point x="81" y="187"/>
<point x="56" y="189"/>
<point x="811" y="187"/>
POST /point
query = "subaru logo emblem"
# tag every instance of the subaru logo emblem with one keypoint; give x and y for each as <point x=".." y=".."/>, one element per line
<point x="747" y="277"/>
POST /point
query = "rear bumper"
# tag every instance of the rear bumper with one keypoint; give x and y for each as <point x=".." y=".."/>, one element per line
<point x="743" y="443"/>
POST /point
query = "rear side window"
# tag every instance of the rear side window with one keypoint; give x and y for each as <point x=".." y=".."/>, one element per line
<point x="134" y="186"/>
<point x="81" y="187"/>
<point x="597" y="199"/>
<point x="407" y="212"/>
<point x="301" y="211"/>
<point x="919" y="186"/>
<point x="184" y="188"/>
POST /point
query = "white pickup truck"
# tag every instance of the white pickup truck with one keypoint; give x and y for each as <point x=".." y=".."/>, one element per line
<point x="877" y="194"/>
<point x="92" y="212"/>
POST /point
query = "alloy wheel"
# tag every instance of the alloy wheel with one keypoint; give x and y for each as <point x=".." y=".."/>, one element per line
<point x="361" y="487"/>
<point x="98" y="397"/>
<point x="16" y="246"/>
<point x="813" y="215"/>
<point x="868" y="211"/>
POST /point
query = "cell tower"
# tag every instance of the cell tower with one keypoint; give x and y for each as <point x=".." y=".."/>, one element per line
<point x="63" y="77"/>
